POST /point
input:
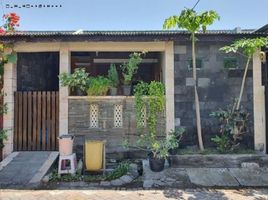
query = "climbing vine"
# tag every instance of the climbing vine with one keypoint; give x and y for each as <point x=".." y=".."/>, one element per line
<point x="152" y="97"/>
<point x="7" y="55"/>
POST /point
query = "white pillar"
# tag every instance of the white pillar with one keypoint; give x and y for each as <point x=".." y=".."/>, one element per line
<point x="10" y="86"/>
<point x="168" y="77"/>
<point x="259" y="106"/>
<point x="65" y="66"/>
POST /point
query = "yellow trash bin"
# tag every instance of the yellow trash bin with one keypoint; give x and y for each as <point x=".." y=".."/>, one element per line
<point x="94" y="155"/>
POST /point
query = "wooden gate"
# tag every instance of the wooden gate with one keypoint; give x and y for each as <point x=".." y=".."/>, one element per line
<point x="36" y="124"/>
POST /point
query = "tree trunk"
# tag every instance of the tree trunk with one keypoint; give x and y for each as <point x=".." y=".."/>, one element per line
<point x="243" y="84"/>
<point x="197" y="106"/>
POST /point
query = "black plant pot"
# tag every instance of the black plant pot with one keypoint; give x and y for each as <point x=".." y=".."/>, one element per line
<point x="156" y="164"/>
<point x="126" y="90"/>
<point x="80" y="92"/>
<point x="172" y="151"/>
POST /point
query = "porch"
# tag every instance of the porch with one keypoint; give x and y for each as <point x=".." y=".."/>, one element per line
<point x="116" y="120"/>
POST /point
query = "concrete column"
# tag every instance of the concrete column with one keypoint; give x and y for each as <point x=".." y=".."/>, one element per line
<point x="65" y="66"/>
<point x="10" y="86"/>
<point x="168" y="77"/>
<point x="259" y="106"/>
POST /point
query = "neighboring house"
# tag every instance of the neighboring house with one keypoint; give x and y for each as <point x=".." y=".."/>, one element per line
<point x="42" y="55"/>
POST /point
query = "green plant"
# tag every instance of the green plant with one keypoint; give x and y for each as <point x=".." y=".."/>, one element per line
<point x="193" y="22"/>
<point x="130" y="68"/>
<point x="152" y="97"/>
<point x="98" y="86"/>
<point x="3" y="137"/>
<point x="246" y="47"/>
<point x="79" y="79"/>
<point x="113" y="75"/>
<point x="174" y="137"/>
<point x="121" y="170"/>
<point x="232" y="128"/>
<point x="140" y="93"/>
<point x="223" y="143"/>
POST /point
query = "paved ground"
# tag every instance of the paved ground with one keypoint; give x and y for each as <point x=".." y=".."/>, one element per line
<point x="205" y="177"/>
<point x="189" y="194"/>
<point x="23" y="168"/>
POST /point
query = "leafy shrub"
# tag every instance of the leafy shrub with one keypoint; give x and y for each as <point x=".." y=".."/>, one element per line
<point x="98" y="86"/>
<point x="113" y="75"/>
<point x="79" y="79"/>
<point x="130" y="67"/>
<point x="233" y="126"/>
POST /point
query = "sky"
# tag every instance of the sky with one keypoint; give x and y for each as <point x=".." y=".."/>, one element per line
<point x="132" y="14"/>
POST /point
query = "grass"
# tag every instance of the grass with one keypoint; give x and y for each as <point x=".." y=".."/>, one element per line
<point x="121" y="170"/>
<point x="209" y="151"/>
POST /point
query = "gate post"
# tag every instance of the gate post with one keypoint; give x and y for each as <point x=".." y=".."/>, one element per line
<point x="10" y="86"/>
<point x="259" y="105"/>
<point x="64" y="91"/>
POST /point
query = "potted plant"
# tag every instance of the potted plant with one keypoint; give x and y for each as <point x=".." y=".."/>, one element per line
<point x="77" y="81"/>
<point x="129" y="69"/>
<point x="151" y="96"/>
<point x="173" y="139"/>
<point x="98" y="86"/>
<point x="113" y="77"/>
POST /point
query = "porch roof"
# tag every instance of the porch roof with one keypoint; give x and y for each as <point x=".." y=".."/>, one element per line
<point x="150" y="35"/>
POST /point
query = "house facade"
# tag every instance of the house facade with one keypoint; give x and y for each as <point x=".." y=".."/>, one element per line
<point x="39" y="109"/>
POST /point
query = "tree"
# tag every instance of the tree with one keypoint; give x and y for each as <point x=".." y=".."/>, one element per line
<point x="192" y="21"/>
<point x="246" y="47"/>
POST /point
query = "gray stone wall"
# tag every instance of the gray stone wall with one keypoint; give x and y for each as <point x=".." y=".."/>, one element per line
<point x="79" y="122"/>
<point x="217" y="88"/>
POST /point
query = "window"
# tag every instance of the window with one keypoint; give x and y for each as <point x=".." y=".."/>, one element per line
<point x="199" y="63"/>
<point x="230" y="63"/>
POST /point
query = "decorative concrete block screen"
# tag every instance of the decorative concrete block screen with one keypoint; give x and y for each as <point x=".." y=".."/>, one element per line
<point x="106" y="118"/>
<point x="94" y="116"/>
<point x="118" y="116"/>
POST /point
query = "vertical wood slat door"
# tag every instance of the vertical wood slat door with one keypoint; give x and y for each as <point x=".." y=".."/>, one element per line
<point x="36" y="121"/>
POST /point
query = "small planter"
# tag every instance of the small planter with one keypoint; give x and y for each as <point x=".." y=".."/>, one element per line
<point x="172" y="151"/>
<point x="126" y="90"/>
<point x="66" y="144"/>
<point x="156" y="164"/>
<point x="80" y="92"/>
<point x="113" y="91"/>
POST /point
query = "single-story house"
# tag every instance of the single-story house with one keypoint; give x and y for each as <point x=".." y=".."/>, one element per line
<point x="39" y="109"/>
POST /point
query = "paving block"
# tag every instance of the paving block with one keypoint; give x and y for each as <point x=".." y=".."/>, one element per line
<point x="209" y="177"/>
<point x="251" y="177"/>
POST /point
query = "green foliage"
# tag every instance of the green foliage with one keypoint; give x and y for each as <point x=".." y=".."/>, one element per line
<point x="192" y="21"/>
<point x="247" y="46"/>
<point x="222" y="142"/>
<point x="174" y="137"/>
<point x="79" y="79"/>
<point x="152" y="97"/>
<point x="140" y="91"/>
<point x="232" y="128"/>
<point x="98" y="86"/>
<point x="3" y="137"/>
<point x="130" y="68"/>
<point x="113" y="75"/>
<point x="121" y="170"/>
